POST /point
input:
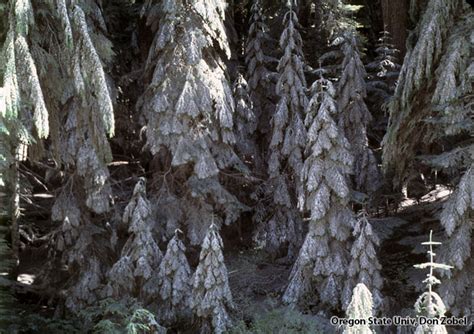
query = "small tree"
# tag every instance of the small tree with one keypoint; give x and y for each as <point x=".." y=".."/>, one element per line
<point x="140" y="258"/>
<point x="382" y="72"/>
<point x="211" y="296"/>
<point x="360" y="307"/>
<point x="174" y="281"/>
<point x="86" y="288"/>
<point x="245" y="120"/>
<point x="364" y="266"/>
<point x="430" y="304"/>
<point x="384" y="69"/>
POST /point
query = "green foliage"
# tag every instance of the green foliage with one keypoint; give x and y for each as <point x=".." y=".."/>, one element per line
<point x="111" y="316"/>
<point x="280" y="321"/>
<point x="34" y="323"/>
<point x="108" y="317"/>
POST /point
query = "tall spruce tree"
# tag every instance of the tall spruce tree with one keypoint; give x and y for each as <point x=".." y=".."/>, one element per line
<point x="189" y="111"/>
<point x="287" y="142"/>
<point x="354" y="115"/>
<point x="324" y="257"/>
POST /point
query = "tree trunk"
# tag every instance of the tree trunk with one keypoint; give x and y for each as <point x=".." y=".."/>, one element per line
<point x="15" y="211"/>
<point x="395" y="20"/>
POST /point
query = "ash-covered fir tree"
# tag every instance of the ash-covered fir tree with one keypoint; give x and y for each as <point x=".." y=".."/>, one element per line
<point x="174" y="281"/>
<point x="24" y="118"/>
<point x="457" y="219"/>
<point x="383" y="73"/>
<point x="384" y="69"/>
<point x="259" y="76"/>
<point x="431" y="119"/>
<point x="433" y="75"/>
<point x="354" y="117"/>
<point x="136" y="272"/>
<point x="189" y="111"/>
<point x="49" y="90"/>
<point x="360" y="307"/>
<point x="430" y="304"/>
<point x="324" y="257"/>
<point x="364" y="266"/>
<point x="67" y="65"/>
<point x="245" y="121"/>
<point x="211" y="295"/>
<point x="287" y="141"/>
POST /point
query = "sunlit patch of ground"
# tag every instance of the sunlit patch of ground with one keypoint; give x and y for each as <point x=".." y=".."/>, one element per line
<point x="26" y="279"/>
<point x="440" y="192"/>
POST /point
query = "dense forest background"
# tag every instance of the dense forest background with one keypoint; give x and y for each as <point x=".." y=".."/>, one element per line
<point x="234" y="166"/>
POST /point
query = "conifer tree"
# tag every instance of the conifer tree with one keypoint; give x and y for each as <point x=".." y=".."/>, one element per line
<point x="456" y="218"/>
<point x="85" y="290"/>
<point x="384" y="69"/>
<point x="258" y="73"/>
<point x="174" y="280"/>
<point x="360" y="307"/>
<point x="430" y="304"/>
<point x="82" y="144"/>
<point x="354" y="115"/>
<point x="433" y="59"/>
<point x="383" y="73"/>
<point x="211" y="296"/>
<point x="364" y="266"/>
<point x="430" y="114"/>
<point x="71" y="63"/>
<point x="134" y="273"/>
<point x="23" y="96"/>
<point x="324" y="256"/>
<point x="189" y="110"/>
<point x="24" y="116"/>
<point x="245" y="120"/>
<point x="287" y="142"/>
